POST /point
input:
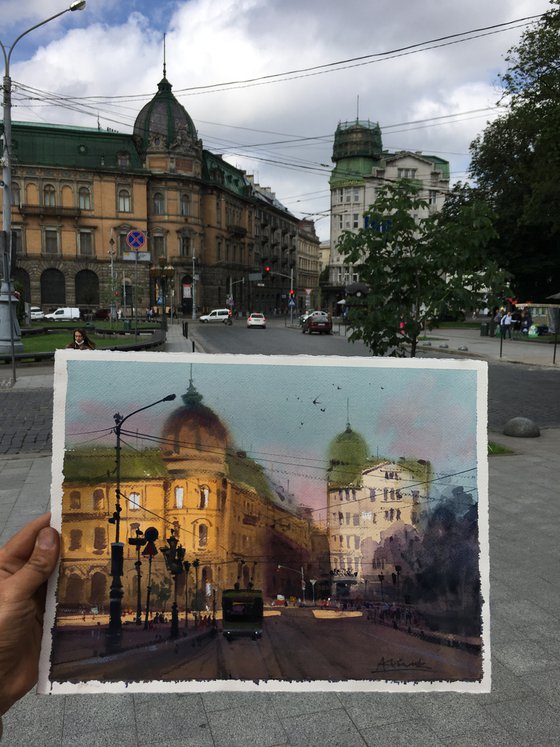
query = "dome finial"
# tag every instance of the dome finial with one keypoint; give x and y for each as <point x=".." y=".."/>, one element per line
<point x="164" y="65"/>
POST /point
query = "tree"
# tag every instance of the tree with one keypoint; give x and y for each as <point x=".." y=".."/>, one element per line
<point x="516" y="162"/>
<point x="417" y="267"/>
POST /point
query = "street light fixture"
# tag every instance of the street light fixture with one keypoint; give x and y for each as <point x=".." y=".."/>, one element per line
<point x="114" y="631"/>
<point x="174" y="555"/>
<point x="138" y="542"/>
<point x="10" y="334"/>
<point x="302" y="578"/>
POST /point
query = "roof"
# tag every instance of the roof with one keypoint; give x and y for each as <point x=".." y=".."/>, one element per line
<point x="72" y="147"/>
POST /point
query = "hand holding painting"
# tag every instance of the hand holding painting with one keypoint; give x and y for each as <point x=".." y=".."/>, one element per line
<point x="26" y="562"/>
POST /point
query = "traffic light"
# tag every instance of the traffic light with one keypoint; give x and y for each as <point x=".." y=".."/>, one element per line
<point x="266" y="271"/>
<point x="292" y="294"/>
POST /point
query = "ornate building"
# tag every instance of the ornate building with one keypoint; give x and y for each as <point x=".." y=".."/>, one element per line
<point x="220" y="504"/>
<point x="77" y="192"/>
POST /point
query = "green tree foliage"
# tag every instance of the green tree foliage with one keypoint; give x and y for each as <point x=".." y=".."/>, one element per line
<point x="516" y="162"/>
<point x="418" y="267"/>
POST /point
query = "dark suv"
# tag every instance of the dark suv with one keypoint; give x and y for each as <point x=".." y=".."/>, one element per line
<point x="318" y="321"/>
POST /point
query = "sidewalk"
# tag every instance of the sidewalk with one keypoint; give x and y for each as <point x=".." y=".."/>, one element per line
<point x="523" y="708"/>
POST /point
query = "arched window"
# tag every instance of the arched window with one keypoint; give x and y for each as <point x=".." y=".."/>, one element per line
<point x="16" y="194"/>
<point x="75" y="539"/>
<point x="159" y="203"/>
<point x="98" y="499"/>
<point x="53" y="288"/>
<point x="185" y="204"/>
<point x="75" y="499"/>
<point x="49" y="196"/>
<point x="99" y="539"/>
<point x="204" y="493"/>
<point x="84" y="197"/>
<point x="202" y="535"/>
<point x="87" y="288"/>
<point x="124" y="201"/>
<point x="134" y="501"/>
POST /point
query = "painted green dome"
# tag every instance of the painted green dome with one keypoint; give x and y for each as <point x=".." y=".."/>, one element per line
<point x="348" y="454"/>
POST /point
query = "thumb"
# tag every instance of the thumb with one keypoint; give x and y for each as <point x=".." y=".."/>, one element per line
<point x="25" y="582"/>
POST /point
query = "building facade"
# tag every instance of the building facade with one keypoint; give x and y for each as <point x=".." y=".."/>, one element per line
<point x="361" y="168"/>
<point x="77" y="193"/>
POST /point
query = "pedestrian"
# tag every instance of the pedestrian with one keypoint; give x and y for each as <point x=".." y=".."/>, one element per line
<point x="505" y="325"/>
<point x="81" y="341"/>
<point x="26" y="562"/>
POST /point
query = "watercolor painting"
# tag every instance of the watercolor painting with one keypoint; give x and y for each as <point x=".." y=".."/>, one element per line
<point x="275" y="523"/>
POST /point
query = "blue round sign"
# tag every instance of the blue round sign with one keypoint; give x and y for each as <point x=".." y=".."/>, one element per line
<point x="135" y="239"/>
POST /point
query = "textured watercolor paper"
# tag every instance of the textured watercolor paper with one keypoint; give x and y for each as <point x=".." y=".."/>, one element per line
<point x="280" y="523"/>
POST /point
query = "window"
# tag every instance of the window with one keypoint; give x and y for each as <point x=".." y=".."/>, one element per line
<point x="134" y="501"/>
<point x="204" y="493"/>
<point x="50" y="238"/>
<point x="406" y="173"/>
<point x="124" y="201"/>
<point x="202" y="535"/>
<point x="159" y="203"/>
<point x="86" y="243"/>
<point x="49" y="196"/>
<point x="356" y="194"/>
<point x="84" y="198"/>
<point x="158" y="244"/>
<point x="75" y="539"/>
<point x="432" y="197"/>
<point x="184" y="204"/>
<point x="75" y="499"/>
<point x="98" y="500"/>
<point x="123" y="160"/>
<point x="355" y="220"/>
<point x="16" y="194"/>
<point x="179" y="496"/>
<point x="185" y="246"/>
<point x="99" y="539"/>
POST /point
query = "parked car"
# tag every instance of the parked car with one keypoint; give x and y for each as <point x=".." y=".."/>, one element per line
<point x="256" y="320"/>
<point x="36" y="314"/>
<point x="64" y="314"/>
<point x="304" y="316"/>
<point x="102" y="314"/>
<point x="318" y="321"/>
<point x="217" y="315"/>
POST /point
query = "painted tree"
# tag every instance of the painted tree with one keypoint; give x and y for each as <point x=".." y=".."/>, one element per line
<point x="516" y="162"/>
<point x="417" y="265"/>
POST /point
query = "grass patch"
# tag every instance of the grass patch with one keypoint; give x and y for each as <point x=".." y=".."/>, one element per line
<point x="58" y="340"/>
<point x="495" y="449"/>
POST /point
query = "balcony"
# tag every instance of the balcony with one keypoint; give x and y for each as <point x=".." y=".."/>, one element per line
<point x="50" y="211"/>
<point x="238" y="231"/>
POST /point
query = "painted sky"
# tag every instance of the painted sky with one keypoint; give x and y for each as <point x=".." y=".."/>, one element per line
<point x="284" y="412"/>
<point x="104" y="63"/>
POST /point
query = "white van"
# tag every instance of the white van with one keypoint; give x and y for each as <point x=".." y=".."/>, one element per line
<point x="217" y="315"/>
<point x="64" y="314"/>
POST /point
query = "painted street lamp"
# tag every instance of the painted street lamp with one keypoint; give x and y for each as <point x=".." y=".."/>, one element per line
<point x="10" y="334"/>
<point x="151" y="534"/>
<point x="114" y="631"/>
<point x="381" y="578"/>
<point x="174" y="555"/>
<point x="187" y="567"/>
<point x="138" y="542"/>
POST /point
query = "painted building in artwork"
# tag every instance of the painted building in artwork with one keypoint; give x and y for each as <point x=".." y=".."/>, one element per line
<point x="220" y="504"/>
<point x="77" y="192"/>
<point x="368" y="499"/>
<point x="362" y="167"/>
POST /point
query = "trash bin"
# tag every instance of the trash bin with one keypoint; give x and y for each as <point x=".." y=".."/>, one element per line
<point x="185" y="329"/>
<point x="126" y="324"/>
<point x="484" y="329"/>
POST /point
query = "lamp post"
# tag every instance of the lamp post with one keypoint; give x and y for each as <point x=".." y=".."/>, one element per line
<point x="112" y="255"/>
<point x="10" y="334"/>
<point x="151" y="534"/>
<point x="161" y="274"/>
<point x="313" y="581"/>
<point x="381" y="578"/>
<point x="187" y="567"/>
<point x="138" y="542"/>
<point x="302" y="578"/>
<point x="114" y="631"/>
<point x="196" y="606"/>
<point x="174" y="555"/>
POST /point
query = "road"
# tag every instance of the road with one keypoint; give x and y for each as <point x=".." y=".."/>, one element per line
<point x="514" y="390"/>
<point x="296" y="645"/>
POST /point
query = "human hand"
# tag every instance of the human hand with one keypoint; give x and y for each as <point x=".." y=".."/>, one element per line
<point x="26" y="562"/>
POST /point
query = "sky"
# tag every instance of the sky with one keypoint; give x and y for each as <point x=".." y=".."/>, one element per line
<point x="285" y="412"/>
<point x="102" y="64"/>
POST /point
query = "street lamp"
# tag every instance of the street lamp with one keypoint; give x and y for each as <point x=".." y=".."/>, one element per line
<point x="302" y="578"/>
<point x="313" y="581"/>
<point x="187" y="567"/>
<point x="174" y="555"/>
<point x="161" y="274"/>
<point x="151" y="534"/>
<point x="381" y="578"/>
<point x="138" y="542"/>
<point x="10" y="334"/>
<point x="114" y="631"/>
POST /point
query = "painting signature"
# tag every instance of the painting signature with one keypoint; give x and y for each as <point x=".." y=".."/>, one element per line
<point x="401" y="665"/>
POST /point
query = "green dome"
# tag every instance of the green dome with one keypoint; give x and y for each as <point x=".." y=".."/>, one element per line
<point x="348" y="455"/>
<point x="163" y="123"/>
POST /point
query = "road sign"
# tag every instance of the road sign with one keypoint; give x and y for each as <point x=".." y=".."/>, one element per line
<point x="135" y="239"/>
<point x="291" y="303"/>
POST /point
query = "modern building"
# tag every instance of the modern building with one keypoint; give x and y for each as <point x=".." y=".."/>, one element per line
<point x="362" y="166"/>
<point x="78" y="192"/>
